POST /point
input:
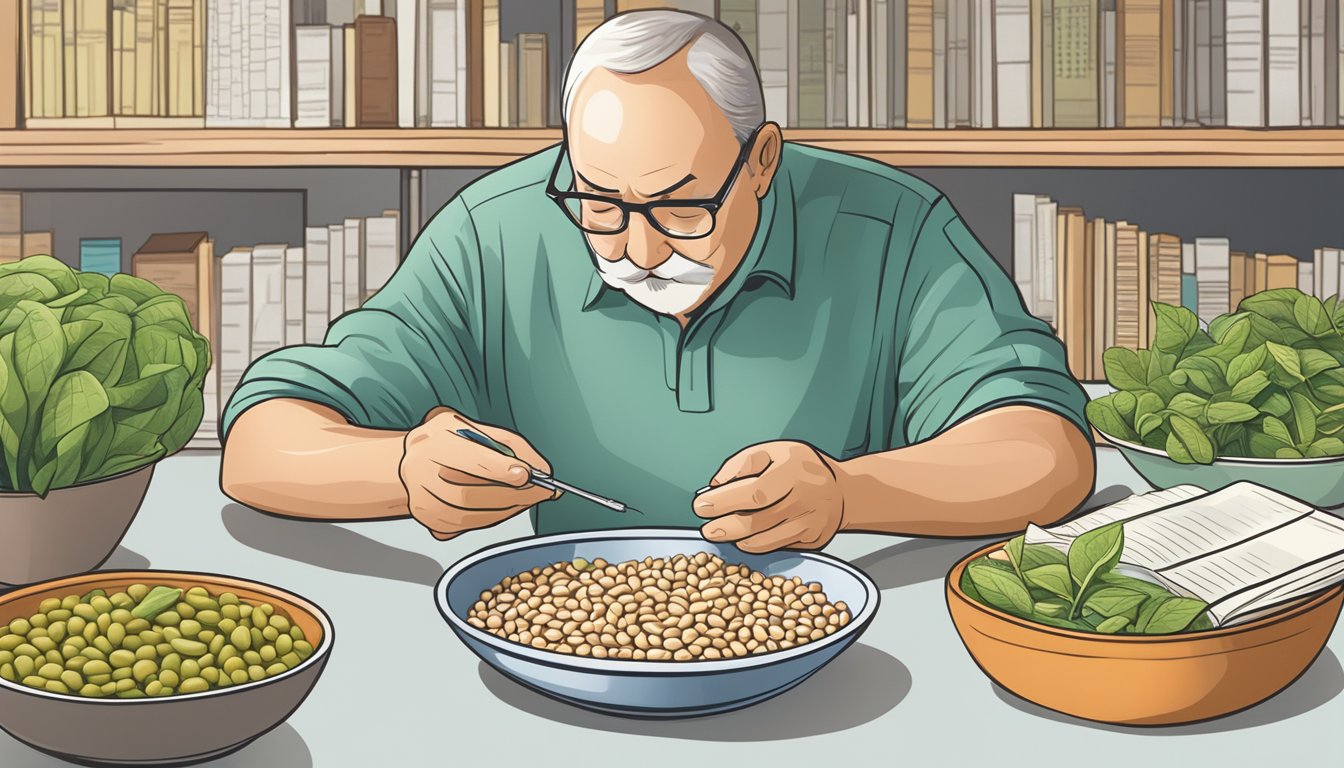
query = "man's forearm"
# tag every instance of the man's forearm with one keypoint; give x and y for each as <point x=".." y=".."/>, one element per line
<point x="991" y="474"/>
<point x="300" y="459"/>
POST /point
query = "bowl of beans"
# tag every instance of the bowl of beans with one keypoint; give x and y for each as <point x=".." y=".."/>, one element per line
<point x="154" y="667"/>
<point x="654" y="623"/>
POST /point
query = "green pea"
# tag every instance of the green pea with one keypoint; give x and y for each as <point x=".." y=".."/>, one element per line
<point x="116" y="633"/>
<point x="100" y="679"/>
<point x="189" y="627"/>
<point x="132" y="643"/>
<point x="43" y="644"/>
<point x="35" y="681"/>
<point x="38" y="620"/>
<point x="154" y="688"/>
<point x="137" y="592"/>
<point x="122" y="600"/>
<point x="121" y="616"/>
<point x="241" y="639"/>
<point x="77" y="663"/>
<point x="258" y="639"/>
<point x="6" y="657"/>
<point x="49" y="605"/>
<point x="270" y="634"/>
<point x="230" y="613"/>
<point x="267" y="653"/>
<point x="85" y="612"/>
<point x="208" y="660"/>
<point x="202" y="602"/>
<point x="194" y="685"/>
<point x="171" y="633"/>
<point x="88" y="596"/>
<point x="91" y="691"/>
<point x="126" y="684"/>
<point x="163" y="649"/>
<point x="186" y="611"/>
<point x="56" y="631"/>
<point x="104" y="621"/>
<point x="103" y="644"/>
<point x="69" y="602"/>
<point x="24" y="667"/>
<point x="168" y="618"/>
<point x="206" y="635"/>
<point x="131" y="694"/>
<point x="20" y="626"/>
<point x="56" y="686"/>
<point x="101" y="604"/>
<point x="244" y="610"/>
<point x="7" y="672"/>
<point x="108" y="688"/>
<point x="275" y="669"/>
<point x="211" y="675"/>
<point x="226" y="653"/>
<point x="54" y="656"/>
<point x="51" y="671"/>
<point x="75" y="625"/>
<point x="151" y="637"/>
<point x="72" y="680"/>
<point x="76" y="642"/>
<point x="284" y="644"/>
<point x="37" y="632"/>
<point x="256" y="673"/>
<point x="228" y="598"/>
<point x="146" y="653"/>
<point x="93" y="653"/>
<point x="218" y="644"/>
<point x="238" y="677"/>
<point x="233" y="664"/>
<point x="91" y="631"/>
<point x="60" y="614"/>
<point x="291" y="660"/>
<point x="209" y="618"/>
<point x="138" y="626"/>
<point x="143" y="669"/>
<point x="189" y="647"/>
<point x="251" y="657"/>
<point x="171" y="661"/>
<point x="26" y="649"/>
<point x="169" y="678"/>
<point x="303" y="648"/>
<point x="121" y="674"/>
<point x="280" y="623"/>
<point x="10" y="642"/>
<point x="198" y="592"/>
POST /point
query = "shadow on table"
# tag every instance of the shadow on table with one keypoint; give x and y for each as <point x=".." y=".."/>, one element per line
<point x="327" y="546"/>
<point x="1323" y="681"/>
<point x="281" y="747"/>
<point x="919" y="560"/>
<point x="860" y="685"/>
<point x="123" y="559"/>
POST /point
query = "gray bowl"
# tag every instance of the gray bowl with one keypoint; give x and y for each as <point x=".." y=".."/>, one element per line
<point x="1319" y="482"/>
<point x="72" y="530"/>
<point x="651" y="689"/>
<point x="173" y="730"/>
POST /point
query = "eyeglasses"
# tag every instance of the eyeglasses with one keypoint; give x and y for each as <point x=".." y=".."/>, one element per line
<point x="680" y="219"/>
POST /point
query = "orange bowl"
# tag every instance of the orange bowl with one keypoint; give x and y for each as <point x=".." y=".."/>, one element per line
<point x="1143" y="680"/>
<point x="171" y="730"/>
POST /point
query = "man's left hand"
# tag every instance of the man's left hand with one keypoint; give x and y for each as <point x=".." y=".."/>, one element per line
<point x="774" y="495"/>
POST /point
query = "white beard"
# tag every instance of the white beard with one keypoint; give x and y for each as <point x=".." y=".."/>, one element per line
<point x="671" y="288"/>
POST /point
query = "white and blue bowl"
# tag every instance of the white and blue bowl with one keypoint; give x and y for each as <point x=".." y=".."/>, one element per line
<point x="651" y="689"/>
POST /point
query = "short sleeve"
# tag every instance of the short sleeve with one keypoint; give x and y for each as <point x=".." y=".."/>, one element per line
<point x="966" y="343"/>
<point x="411" y="347"/>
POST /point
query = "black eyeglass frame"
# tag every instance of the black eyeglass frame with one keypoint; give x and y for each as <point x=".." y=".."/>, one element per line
<point x="711" y="204"/>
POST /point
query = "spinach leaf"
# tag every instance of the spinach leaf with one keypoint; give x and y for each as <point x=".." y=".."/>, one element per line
<point x="1001" y="590"/>
<point x="1037" y="555"/>
<point x="1113" y="624"/>
<point x="1287" y="363"/>
<point x="1054" y="607"/>
<point x="1175" y="327"/>
<point x="1123" y="370"/>
<point x="1053" y="578"/>
<point x="1094" y="553"/>
<point x="1229" y="413"/>
<point x="1114" y="601"/>
<point x="1311" y="316"/>
<point x="1187" y="443"/>
<point x="1304" y="418"/>
<point x="1173" y="615"/>
<point x="1103" y="415"/>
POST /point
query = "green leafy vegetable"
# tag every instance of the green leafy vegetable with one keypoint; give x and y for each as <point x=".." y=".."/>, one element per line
<point x="1080" y="590"/>
<point x="97" y="376"/>
<point x="1266" y="381"/>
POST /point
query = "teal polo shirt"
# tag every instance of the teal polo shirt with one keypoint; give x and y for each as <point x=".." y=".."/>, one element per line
<point x="864" y="317"/>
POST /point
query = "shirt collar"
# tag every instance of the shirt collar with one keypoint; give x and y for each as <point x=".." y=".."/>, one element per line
<point x="770" y="257"/>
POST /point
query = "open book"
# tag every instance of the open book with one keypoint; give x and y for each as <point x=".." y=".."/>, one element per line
<point x="1245" y="550"/>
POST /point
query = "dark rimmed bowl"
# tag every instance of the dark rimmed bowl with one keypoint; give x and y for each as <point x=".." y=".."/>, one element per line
<point x="173" y="730"/>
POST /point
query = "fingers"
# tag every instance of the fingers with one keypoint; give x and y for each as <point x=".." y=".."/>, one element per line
<point x="799" y="533"/>
<point x="486" y="496"/>
<point x="736" y="527"/>
<point x="445" y="520"/>
<point x="516" y="443"/>
<point x="746" y="494"/>
<point x="744" y="463"/>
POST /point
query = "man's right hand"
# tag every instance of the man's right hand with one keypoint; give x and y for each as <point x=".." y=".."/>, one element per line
<point x="454" y="484"/>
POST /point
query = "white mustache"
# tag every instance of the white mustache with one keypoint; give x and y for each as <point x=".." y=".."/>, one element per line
<point x="677" y="269"/>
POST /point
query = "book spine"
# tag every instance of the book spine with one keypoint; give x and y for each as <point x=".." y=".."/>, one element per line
<point x="811" y="48"/>
<point x="1245" y="63"/>
<point x="1331" y="39"/>
<point x="1075" y="80"/>
<point x="354" y="264"/>
<point x="1283" y="79"/>
<point x="1189" y="285"/>
<point x="919" y="94"/>
<point x="490" y="51"/>
<point x="295" y="310"/>
<point x="443" y="21"/>
<point x="1141" y="38"/>
<point x="1024" y="248"/>
<point x="941" y="58"/>
<point x="773" y="38"/>
<point x="1013" y="59"/>
<point x="317" y="284"/>
<point x="312" y="68"/>
<point x="235" y="320"/>
<point x="406" y="58"/>
<point x="791" y="66"/>
<point x="1043" y="278"/>
<point x="268" y="299"/>
<point x="1213" y="273"/>
<point x="336" y="271"/>
<point x="1218" y="62"/>
<point x="878" y="50"/>
<point x="896" y="61"/>
<point x="336" y="76"/>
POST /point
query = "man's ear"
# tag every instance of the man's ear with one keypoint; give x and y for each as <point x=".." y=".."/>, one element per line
<point x="764" y="157"/>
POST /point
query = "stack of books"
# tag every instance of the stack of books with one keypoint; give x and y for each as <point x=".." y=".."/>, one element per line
<point x="823" y="63"/>
<point x="14" y="242"/>
<point x="1094" y="280"/>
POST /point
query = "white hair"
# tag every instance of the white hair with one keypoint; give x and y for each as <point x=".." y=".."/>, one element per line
<point x="641" y="40"/>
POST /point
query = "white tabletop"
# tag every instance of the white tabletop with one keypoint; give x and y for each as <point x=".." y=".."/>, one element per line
<point x="906" y="694"/>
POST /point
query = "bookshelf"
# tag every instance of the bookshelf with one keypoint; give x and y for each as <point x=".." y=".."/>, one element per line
<point x="486" y="148"/>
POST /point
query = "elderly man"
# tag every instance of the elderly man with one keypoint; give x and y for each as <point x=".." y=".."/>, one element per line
<point x="676" y="298"/>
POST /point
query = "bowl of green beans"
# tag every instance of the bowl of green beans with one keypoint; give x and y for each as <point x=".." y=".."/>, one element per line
<point x="154" y="667"/>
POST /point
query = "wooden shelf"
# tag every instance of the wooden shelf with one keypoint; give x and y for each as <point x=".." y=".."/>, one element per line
<point x="462" y="147"/>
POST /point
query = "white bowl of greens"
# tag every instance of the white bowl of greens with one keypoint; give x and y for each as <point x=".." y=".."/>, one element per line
<point x="1257" y="397"/>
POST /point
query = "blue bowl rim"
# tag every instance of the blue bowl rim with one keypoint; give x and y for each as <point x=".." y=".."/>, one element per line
<point x="588" y="664"/>
<point x="1235" y="460"/>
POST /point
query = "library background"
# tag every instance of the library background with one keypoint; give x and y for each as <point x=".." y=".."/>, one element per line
<point x="272" y="160"/>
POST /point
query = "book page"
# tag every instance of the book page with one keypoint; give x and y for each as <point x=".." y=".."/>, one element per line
<point x="1060" y="536"/>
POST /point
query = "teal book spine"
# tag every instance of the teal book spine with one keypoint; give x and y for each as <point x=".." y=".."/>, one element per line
<point x="1189" y="292"/>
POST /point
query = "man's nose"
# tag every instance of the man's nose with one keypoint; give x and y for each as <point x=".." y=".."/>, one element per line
<point x="646" y="246"/>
